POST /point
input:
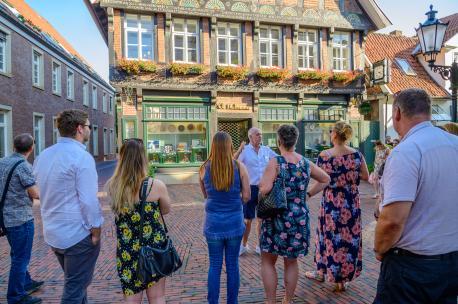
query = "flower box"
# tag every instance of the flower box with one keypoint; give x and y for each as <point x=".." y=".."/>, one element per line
<point x="313" y="76"/>
<point x="272" y="74"/>
<point x="346" y="77"/>
<point x="232" y="73"/>
<point x="185" y="69"/>
<point x="135" y="67"/>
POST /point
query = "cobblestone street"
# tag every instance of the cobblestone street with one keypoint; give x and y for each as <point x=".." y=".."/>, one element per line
<point x="189" y="284"/>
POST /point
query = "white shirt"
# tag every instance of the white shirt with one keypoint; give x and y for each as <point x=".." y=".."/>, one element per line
<point x="68" y="183"/>
<point x="256" y="163"/>
<point x="423" y="169"/>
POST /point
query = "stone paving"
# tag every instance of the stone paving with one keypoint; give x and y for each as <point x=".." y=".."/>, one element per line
<point x="188" y="285"/>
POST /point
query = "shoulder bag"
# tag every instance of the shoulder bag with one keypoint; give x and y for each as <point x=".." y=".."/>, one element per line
<point x="275" y="202"/>
<point x="155" y="263"/>
<point x="5" y="190"/>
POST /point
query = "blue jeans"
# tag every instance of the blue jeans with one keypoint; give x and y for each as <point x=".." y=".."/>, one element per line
<point x="230" y="248"/>
<point x="20" y="239"/>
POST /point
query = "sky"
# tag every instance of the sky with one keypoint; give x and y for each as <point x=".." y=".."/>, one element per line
<point x="73" y="21"/>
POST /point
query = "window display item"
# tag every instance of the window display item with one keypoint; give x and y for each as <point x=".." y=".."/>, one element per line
<point x="181" y="128"/>
<point x="168" y="148"/>
<point x="191" y="127"/>
<point x="182" y="146"/>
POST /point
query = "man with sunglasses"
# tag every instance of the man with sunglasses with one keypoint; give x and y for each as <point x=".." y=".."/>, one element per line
<point x="71" y="213"/>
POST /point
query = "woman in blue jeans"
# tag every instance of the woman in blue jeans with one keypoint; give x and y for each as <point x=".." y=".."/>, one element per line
<point x="225" y="184"/>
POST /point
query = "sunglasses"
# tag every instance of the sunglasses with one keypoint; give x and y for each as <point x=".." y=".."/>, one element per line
<point x="89" y="126"/>
<point x="139" y="140"/>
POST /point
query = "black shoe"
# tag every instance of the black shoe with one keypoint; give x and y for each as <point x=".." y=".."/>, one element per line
<point x="30" y="300"/>
<point x="34" y="286"/>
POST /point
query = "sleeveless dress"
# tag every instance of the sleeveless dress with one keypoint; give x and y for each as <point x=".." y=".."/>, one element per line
<point x="223" y="209"/>
<point x="288" y="234"/>
<point x="338" y="235"/>
<point x="128" y="243"/>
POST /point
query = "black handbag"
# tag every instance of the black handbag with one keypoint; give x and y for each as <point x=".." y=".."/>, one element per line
<point x="155" y="263"/>
<point x="5" y="191"/>
<point x="275" y="202"/>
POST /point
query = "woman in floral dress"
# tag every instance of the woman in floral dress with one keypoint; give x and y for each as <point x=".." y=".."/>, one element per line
<point x="288" y="233"/>
<point x="338" y="240"/>
<point x="124" y="190"/>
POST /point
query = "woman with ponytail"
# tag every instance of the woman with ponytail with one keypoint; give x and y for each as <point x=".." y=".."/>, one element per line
<point x="338" y="237"/>
<point x="225" y="184"/>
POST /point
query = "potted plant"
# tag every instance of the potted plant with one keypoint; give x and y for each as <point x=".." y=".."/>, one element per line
<point x="313" y="76"/>
<point x="272" y="74"/>
<point x="235" y="73"/>
<point x="137" y="67"/>
<point x="346" y="77"/>
<point x="364" y="108"/>
<point x="186" y="69"/>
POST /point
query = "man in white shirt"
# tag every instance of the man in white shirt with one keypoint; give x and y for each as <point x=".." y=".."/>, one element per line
<point x="255" y="157"/>
<point x="70" y="210"/>
<point x="416" y="234"/>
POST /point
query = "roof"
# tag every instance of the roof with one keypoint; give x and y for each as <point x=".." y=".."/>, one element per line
<point x="35" y="24"/>
<point x="452" y="28"/>
<point x="381" y="46"/>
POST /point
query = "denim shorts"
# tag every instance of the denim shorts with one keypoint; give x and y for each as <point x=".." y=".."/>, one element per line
<point x="249" y="209"/>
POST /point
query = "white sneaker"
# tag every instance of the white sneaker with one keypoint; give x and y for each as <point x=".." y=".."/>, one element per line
<point x="243" y="249"/>
<point x="258" y="250"/>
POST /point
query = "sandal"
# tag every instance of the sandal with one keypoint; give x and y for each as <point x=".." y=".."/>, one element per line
<point x="341" y="287"/>
<point x="314" y="275"/>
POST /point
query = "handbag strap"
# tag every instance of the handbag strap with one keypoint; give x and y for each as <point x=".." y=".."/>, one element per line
<point x="5" y="191"/>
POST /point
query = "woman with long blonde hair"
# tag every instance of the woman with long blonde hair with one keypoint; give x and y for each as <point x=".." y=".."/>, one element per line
<point x="124" y="189"/>
<point x="225" y="184"/>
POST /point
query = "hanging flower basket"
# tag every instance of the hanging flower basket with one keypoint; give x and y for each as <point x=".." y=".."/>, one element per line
<point x="364" y="108"/>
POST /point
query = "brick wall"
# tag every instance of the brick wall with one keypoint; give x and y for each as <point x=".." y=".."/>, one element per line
<point x="311" y="3"/>
<point x="24" y="99"/>
<point x="290" y="2"/>
<point x="324" y="50"/>
<point x="358" y="51"/>
<point x="206" y="41"/>
<point x="249" y="44"/>
<point x="331" y="5"/>
<point x="117" y="34"/>
<point x="288" y="47"/>
<point x="160" y="38"/>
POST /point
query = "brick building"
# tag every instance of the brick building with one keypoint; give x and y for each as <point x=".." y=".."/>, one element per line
<point x="184" y="69"/>
<point x="40" y="75"/>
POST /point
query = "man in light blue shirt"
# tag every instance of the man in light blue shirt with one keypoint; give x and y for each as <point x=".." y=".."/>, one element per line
<point x="70" y="210"/>
<point x="255" y="157"/>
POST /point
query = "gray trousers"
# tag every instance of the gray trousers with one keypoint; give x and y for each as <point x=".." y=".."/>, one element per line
<point x="78" y="263"/>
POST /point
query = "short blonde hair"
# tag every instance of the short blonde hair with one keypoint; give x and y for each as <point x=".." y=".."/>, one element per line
<point x="343" y="131"/>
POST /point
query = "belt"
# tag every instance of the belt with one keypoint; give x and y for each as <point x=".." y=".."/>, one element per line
<point x="407" y="253"/>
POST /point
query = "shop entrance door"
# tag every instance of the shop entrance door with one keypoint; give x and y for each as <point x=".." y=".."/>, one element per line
<point x="237" y="129"/>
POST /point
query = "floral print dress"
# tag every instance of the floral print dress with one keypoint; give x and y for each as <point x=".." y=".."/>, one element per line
<point x="338" y="238"/>
<point x="288" y="234"/>
<point x="128" y="246"/>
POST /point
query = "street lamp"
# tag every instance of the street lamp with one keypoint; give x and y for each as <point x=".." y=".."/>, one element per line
<point x="431" y="36"/>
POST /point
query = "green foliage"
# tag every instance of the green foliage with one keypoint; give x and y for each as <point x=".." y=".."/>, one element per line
<point x="313" y="75"/>
<point x="151" y="170"/>
<point x="272" y="74"/>
<point x="231" y="72"/>
<point x="346" y="77"/>
<point x="364" y="108"/>
<point x="133" y="67"/>
<point x="183" y="69"/>
<point x="370" y="167"/>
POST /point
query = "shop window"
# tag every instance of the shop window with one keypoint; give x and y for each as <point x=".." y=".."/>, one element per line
<point x="341" y="51"/>
<point x="130" y="128"/>
<point x="139" y="37"/>
<point x="39" y="133"/>
<point x="307" y="49"/>
<point x="277" y="114"/>
<point x="270" y="46"/>
<point x="37" y="68"/>
<point x="85" y="93"/>
<point x="70" y="85"/>
<point x="185" y="40"/>
<point x="56" y="78"/>
<point x="176" y="113"/>
<point x="229" y="44"/>
<point x="326" y="113"/>
<point x="271" y="118"/>
<point x="95" y="140"/>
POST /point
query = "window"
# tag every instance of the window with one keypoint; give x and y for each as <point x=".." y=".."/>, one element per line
<point x="139" y="37"/>
<point x="110" y="105"/>
<point x="176" y="113"/>
<point x="37" y="69"/>
<point x="56" y="78"/>
<point x="270" y="46"/>
<point x="307" y="49"/>
<point x="5" y="52"/>
<point x="129" y="128"/>
<point x="94" y="97"/>
<point x="105" y="142"/>
<point x="112" y="141"/>
<point x="70" y="85"/>
<point x="85" y="93"/>
<point x="55" y="131"/>
<point x="405" y="66"/>
<point x="277" y="114"/>
<point x="341" y="51"/>
<point x="229" y="44"/>
<point x="104" y="102"/>
<point x="185" y="40"/>
<point x="4" y="128"/>
<point x="95" y="140"/>
<point x="455" y="57"/>
<point x="39" y="133"/>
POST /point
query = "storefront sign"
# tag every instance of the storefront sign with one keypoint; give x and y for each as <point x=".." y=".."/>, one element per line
<point x="232" y="106"/>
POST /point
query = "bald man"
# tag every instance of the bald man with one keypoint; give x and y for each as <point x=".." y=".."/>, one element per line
<point x="255" y="157"/>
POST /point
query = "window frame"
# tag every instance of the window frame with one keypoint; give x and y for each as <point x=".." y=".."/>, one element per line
<point x="41" y="141"/>
<point x="105" y="141"/>
<point x="340" y="59"/>
<point x="95" y="140"/>
<point x="8" y="129"/>
<point x="306" y="44"/>
<point x="139" y="30"/>
<point x="94" y="97"/>
<point x="6" y="70"/>
<point x="55" y="130"/>
<point x="270" y="41"/>
<point x="111" y="141"/>
<point x="40" y="65"/>
<point x="58" y="78"/>
<point x="85" y="88"/>
<point x="104" y="102"/>
<point x="228" y="39"/>
<point x="110" y="104"/>
<point x="71" y="86"/>
<point x="404" y="66"/>
<point x="186" y="35"/>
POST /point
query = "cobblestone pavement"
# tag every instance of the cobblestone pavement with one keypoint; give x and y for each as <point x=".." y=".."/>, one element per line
<point x="189" y="284"/>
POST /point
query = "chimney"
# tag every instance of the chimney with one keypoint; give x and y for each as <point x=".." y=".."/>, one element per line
<point x="396" y="33"/>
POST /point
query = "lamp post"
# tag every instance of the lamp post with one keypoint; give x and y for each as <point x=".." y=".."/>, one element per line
<point x="431" y="36"/>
